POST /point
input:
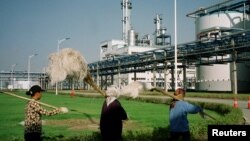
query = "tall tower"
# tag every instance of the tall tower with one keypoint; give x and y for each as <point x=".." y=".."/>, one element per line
<point x="157" y="22"/>
<point x="161" y="38"/>
<point x="126" y="22"/>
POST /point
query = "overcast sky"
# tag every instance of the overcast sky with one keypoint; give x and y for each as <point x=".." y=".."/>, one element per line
<point x="34" y="26"/>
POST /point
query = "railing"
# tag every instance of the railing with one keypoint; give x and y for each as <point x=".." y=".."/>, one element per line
<point x="192" y="53"/>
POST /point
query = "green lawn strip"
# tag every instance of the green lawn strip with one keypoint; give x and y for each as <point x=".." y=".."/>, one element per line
<point x="147" y="120"/>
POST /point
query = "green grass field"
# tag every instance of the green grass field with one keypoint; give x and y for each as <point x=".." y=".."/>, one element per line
<point x="83" y="119"/>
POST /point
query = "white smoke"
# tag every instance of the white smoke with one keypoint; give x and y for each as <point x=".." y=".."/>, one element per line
<point x="67" y="63"/>
<point x="131" y="90"/>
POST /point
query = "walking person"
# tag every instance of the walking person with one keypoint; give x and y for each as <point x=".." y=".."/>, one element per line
<point x="179" y="110"/>
<point x="33" y="114"/>
<point x="112" y="116"/>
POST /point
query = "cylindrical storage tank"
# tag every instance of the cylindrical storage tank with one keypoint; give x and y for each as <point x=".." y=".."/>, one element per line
<point x="131" y="38"/>
<point x="218" y="77"/>
<point x="163" y="31"/>
<point x="230" y="19"/>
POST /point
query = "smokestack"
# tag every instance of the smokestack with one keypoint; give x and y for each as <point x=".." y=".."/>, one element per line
<point x="126" y="22"/>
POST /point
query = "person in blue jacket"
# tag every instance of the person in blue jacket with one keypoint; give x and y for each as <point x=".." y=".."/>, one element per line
<point x="179" y="109"/>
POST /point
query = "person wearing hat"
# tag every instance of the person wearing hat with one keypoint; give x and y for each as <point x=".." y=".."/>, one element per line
<point x="179" y="109"/>
<point x="112" y="115"/>
<point x="33" y="114"/>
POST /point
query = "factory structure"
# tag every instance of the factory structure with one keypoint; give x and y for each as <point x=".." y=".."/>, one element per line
<point x="149" y="58"/>
<point x="211" y="24"/>
<point x="132" y="43"/>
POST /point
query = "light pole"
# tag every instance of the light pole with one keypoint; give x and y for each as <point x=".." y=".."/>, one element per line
<point x="12" y="69"/>
<point x="58" y="49"/>
<point x="29" y="68"/>
<point x="175" y="45"/>
<point x="59" y="42"/>
<point x="2" y="80"/>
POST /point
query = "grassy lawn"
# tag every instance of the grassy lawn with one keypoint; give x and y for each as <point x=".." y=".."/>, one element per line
<point x="83" y="118"/>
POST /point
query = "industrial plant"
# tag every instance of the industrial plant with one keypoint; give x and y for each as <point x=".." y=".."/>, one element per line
<point x="217" y="60"/>
<point x="210" y="63"/>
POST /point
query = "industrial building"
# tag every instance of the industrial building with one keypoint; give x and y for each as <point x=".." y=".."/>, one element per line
<point x="210" y="24"/>
<point x="132" y="43"/>
<point x="218" y="60"/>
<point x="223" y="25"/>
<point x="22" y="79"/>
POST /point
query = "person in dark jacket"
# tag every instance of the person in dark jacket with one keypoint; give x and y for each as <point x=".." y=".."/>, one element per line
<point x="112" y="116"/>
<point x="179" y="109"/>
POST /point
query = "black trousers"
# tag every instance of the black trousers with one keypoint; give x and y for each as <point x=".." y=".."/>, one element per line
<point x="180" y="136"/>
<point x="32" y="137"/>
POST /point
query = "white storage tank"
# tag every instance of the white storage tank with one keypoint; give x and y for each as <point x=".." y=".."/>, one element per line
<point x="229" y="19"/>
<point x="218" y="77"/>
<point x="131" y="37"/>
